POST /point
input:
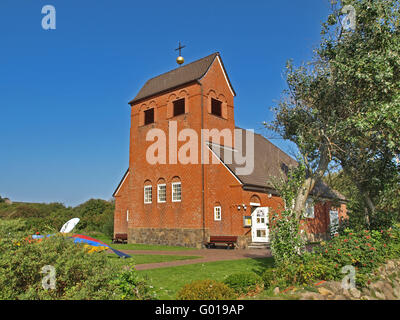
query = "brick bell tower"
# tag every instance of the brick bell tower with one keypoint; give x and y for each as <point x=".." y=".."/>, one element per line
<point x="164" y="202"/>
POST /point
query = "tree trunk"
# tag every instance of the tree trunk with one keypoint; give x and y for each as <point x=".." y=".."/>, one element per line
<point x="370" y="207"/>
<point x="309" y="183"/>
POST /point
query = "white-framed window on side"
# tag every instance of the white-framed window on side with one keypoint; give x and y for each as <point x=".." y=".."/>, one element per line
<point x="161" y="193"/>
<point x="148" y="194"/>
<point x="127" y="215"/>
<point x="176" y="192"/>
<point x="309" y="212"/>
<point x="217" y="213"/>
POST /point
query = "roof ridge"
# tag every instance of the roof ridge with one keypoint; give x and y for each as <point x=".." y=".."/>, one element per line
<point x="190" y="72"/>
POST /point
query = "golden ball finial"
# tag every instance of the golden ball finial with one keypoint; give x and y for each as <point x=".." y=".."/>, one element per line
<point x="180" y="60"/>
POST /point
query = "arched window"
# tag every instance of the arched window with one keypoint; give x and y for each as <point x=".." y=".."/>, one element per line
<point x="148" y="192"/>
<point x="176" y="190"/>
<point x="161" y="191"/>
<point x="255" y="201"/>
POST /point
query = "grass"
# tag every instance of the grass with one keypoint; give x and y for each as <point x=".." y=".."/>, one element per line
<point x="149" y="258"/>
<point x="135" y="246"/>
<point x="168" y="281"/>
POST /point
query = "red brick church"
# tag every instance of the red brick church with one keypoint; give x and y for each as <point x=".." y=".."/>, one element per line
<point x="185" y="203"/>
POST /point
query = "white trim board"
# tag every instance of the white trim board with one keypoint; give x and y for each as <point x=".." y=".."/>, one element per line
<point x="219" y="159"/>
<point x="122" y="183"/>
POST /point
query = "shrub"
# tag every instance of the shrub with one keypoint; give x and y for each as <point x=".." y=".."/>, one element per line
<point x="287" y="243"/>
<point x="269" y="277"/>
<point x="132" y="286"/>
<point x="95" y="216"/>
<point x="365" y="250"/>
<point x="244" y="282"/>
<point x="305" y="271"/>
<point x="79" y="274"/>
<point x="206" y="290"/>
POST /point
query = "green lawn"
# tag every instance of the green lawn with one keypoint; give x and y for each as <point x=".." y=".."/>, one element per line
<point x="131" y="246"/>
<point x="148" y="258"/>
<point x="168" y="281"/>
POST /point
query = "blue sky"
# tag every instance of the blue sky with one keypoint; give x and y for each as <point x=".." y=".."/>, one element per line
<point x="64" y="117"/>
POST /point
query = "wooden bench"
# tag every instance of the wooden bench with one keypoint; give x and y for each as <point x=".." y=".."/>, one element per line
<point x="230" y="241"/>
<point x="120" y="238"/>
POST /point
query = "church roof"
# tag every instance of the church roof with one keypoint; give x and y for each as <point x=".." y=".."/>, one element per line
<point x="185" y="74"/>
<point x="269" y="162"/>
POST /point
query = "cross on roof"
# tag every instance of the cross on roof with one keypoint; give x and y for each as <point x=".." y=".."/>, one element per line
<point x="180" y="48"/>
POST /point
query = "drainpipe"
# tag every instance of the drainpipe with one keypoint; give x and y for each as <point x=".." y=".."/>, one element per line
<point x="202" y="166"/>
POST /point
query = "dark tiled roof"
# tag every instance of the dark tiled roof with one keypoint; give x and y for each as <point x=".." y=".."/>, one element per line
<point x="183" y="75"/>
<point x="269" y="162"/>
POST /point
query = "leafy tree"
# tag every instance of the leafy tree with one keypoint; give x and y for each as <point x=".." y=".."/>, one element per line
<point x="365" y="64"/>
<point x="344" y="105"/>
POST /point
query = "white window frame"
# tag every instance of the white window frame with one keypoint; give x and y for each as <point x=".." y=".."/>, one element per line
<point x="158" y="193"/>
<point x="127" y="215"/>
<point x="173" y="193"/>
<point x="309" y="209"/>
<point x="151" y="194"/>
<point x="216" y="209"/>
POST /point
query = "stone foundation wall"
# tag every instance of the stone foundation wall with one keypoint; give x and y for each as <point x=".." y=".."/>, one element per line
<point x="170" y="237"/>
<point x="318" y="237"/>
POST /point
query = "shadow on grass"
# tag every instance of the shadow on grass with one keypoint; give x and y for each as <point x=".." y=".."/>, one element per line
<point x="262" y="264"/>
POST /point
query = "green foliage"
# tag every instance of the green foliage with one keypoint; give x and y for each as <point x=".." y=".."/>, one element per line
<point x="365" y="250"/>
<point x="206" y="290"/>
<point x="306" y="271"/>
<point x="269" y="277"/>
<point x="285" y="237"/>
<point x="244" y="282"/>
<point x="79" y="274"/>
<point x="133" y="286"/>
<point x="95" y="216"/>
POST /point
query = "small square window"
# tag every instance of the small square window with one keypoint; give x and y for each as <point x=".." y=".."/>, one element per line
<point x="147" y="194"/>
<point x="176" y="192"/>
<point x="148" y="116"/>
<point x="217" y="214"/>
<point x="162" y="193"/>
<point x="179" y="107"/>
<point x="216" y="107"/>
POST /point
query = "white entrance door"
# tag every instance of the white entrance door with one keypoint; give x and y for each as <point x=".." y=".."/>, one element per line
<point x="334" y="221"/>
<point x="259" y="228"/>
